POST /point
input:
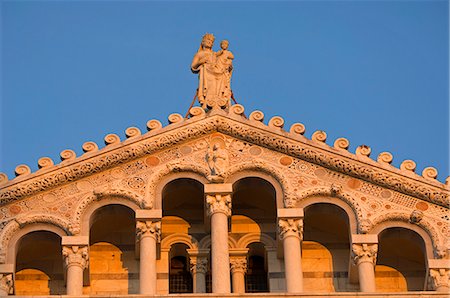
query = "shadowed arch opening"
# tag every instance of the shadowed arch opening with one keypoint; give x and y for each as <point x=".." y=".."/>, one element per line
<point x="326" y="249"/>
<point x="39" y="265"/>
<point x="113" y="266"/>
<point x="256" y="279"/>
<point x="180" y="278"/>
<point x="401" y="262"/>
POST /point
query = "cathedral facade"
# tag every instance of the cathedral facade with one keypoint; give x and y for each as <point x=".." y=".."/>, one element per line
<point x="218" y="202"/>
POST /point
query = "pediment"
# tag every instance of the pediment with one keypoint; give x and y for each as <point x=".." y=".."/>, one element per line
<point x="233" y="123"/>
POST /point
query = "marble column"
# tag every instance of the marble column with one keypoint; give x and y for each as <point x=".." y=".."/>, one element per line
<point x="238" y="270"/>
<point x="364" y="256"/>
<point x="6" y="279"/>
<point x="148" y="234"/>
<point x="218" y="202"/>
<point x="75" y="252"/>
<point x="199" y="266"/>
<point x="290" y="230"/>
<point x="439" y="275"/>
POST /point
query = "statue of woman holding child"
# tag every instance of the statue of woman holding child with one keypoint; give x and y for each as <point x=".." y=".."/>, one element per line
<point x="214" y="73"/>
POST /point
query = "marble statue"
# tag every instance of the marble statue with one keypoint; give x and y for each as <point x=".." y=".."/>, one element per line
<point x="214" y="73"/>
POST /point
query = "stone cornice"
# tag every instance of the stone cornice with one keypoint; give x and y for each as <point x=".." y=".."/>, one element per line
<point x="271" y="136"/>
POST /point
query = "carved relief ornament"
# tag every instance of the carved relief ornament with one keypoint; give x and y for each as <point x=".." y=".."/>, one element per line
<point x="290" y="227"/>
<point x="7" y="283"/>
<point x="148" y="228"/>
<point x="238" y="264"/>
<point x="439" y="278"/>
<point x="75" y="255"/>
<point x="242" y="129"/>
<point x="219" y="204"/>
<point x="199" y="265"/>
<point x="364" y="253"/>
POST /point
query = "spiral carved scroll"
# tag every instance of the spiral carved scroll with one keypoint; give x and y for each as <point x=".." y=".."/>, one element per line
<point x="196" y="111"/>
<point x="408" y="165"/>
<point x="363" y="150"/>
<point x="319" y="136"/>
<point x="341" y="144"/>
<point x="3" y="178"/>
<point x="132" y="132"/>
<point x="276" y="122"/>
<point x="112" y="139"/>
<point x="45" y="162"/>
<point x="153" y="125"/>
<point x="237" y="109"/>
<point x="297" y="128"/>
<point x="257" y="116"/>
<point x="67" y="155"/>
<point x="385" y="158"/>
<point x="90" y="147"/>
<point x="22" y="170"/>
<point x="430" y="173"/>
<point x="175" y="118"/>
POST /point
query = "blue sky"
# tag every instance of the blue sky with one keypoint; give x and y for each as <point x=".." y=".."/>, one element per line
<point x="375" y="72"/>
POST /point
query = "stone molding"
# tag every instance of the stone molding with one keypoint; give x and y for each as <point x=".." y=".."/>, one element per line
<point x="148" y="228"/>
<point x="218" y="204"/>
<point x="236" y="126"/>
<point x="238" y="264"/>
<point x="198" y="265"/>
<point x="364" y="252"/>
<point x="76" y="255"/>
<point x="7" y="283"/>
<point x="290" y="227"/>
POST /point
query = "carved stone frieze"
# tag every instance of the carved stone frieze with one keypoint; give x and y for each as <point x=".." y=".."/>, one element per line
<point x="7" y="283"/>
<point x="364" y="253"/>
<point x="439" y="277"/>
<point x="219" y="204"/>
<point x="148" y="228"/>
<point x="199" y="265"/>
<point x="290" y="227"/>
<point x="75" y="255"/>
<point x="244" y="130"/>
<point x="238" y="264"/>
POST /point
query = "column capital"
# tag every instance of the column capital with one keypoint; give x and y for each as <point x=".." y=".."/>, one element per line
<point x="7" y="278"/>
<point x="76" y="255"/>
<point x="198" y="264"/>
<point x="364" y="252"/>
<point x="148" y="228"/>
<point x="290" y="227"/>
<point x="238" y="264"/>
<point x="218" y="203"/>
<point x="439" y="276"/>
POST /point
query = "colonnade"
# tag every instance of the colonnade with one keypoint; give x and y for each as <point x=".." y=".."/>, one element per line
<point x="75" y="251"/>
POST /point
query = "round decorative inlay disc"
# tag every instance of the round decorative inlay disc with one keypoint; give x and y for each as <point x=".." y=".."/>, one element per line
<point x="286" y="160"/>
<point x="353" y="183"/>
<point x="15" y="209"/>
<point x="422" y="206"/>
<point x="386" y="194"/>
<point x="186" y="149"/>
<point x="51" y="197"/>
<point x="152" y="161"/>
<point x="320" y="172"/>
<point x="84" y="185"/>
<point x="255" y="150"/>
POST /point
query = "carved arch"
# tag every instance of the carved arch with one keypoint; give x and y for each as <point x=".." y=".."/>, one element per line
<point x="170" y="172"/>
<point x="288" y="196"/>
<point x="117" y="196"/>
<point x="189" y="240"/>
<point x="205" y="243"/>
<point x="256" y="237"/>
<point x="22" y="225"/>
<point x="336" y="196"/>
<point x="433" y="244"/>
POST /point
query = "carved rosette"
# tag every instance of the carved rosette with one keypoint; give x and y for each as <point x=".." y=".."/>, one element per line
<point x="148" y="228"/>
<point x="6" y="283"/>
<point x="199" y="265"/>
<point x="219" y="204"/>
<point x="439" y="278"/>
<point x="76" y="255"/>
<point x="363" y="252"/>
<point x="290" y="227"/>
<point x="238" y="264"/>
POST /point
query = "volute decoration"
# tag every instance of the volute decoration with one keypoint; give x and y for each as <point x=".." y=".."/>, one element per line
<point x="342" y="144"/>
<point x="198" y="265"/>
<point x="218" y="204"/>
<point x="132" y="132"/>
<point x="175" y="118"/>
<point x="154" y="125"/>
<point x="297" y="129"/>
<point x="45" y="162"/>
<point x="363" y="150"/>
<point x="429" y="173"/>
<point x="112" y="139"/>
<point x="364" y="253"/>
<point x="439" y="277"/>
<point x="22" y="170"/>
<point x="385" y="158"/>
<point x="75" y="255"/>
<point x="196" y="111"/>
<point x="319" y="136"/>
<point x="276" y="122"/>
<point x="290" y="227"/>
<point x="257" y="116"/>
<point x="408" y="165"/>
<point x="148" y="228"/>
<point x="67" y="155"/>
<point x="238" y="264"/>
<point x="90" y="147"/>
